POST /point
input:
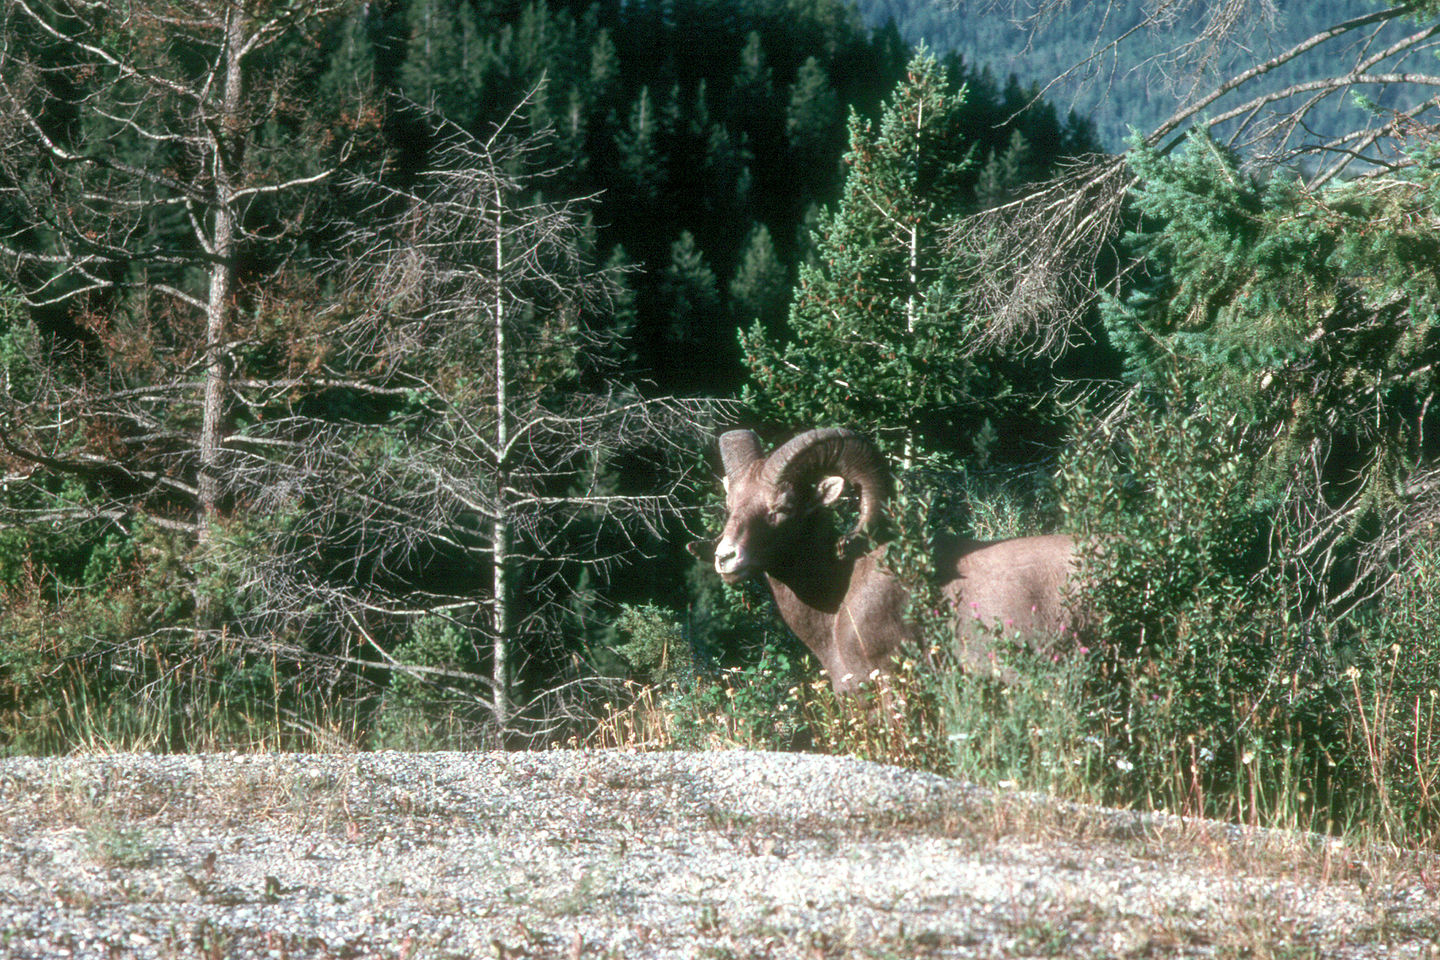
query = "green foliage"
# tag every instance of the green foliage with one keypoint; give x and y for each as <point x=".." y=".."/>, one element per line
<point x="760" y="290"/>
<point x="641" y="162"/>
<point x="758" y="706"/>
<point x="19" y="348"/>
<point x="1202" y="679"/>
<point x="112" y="844"/>
<point x="690" y="297"/>
<point x="1307" y="316"/>
<point x="1027" y="722"/>
<point x="873" y="329"/>
<point x="419" y="709"/>
<point x="1003" y="173"/>
<point x="96" y="673"/>
<point x="811" y="118"/>
<point x="351" y="71"/>
<point x="750" y="705"/>
<point x="655" y="646"/>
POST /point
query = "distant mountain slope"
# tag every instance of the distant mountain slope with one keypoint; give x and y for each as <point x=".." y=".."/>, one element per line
<point x="1144" y="86"/>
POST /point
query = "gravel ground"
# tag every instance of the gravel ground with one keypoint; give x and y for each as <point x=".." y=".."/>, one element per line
<point x="599" y="854"/>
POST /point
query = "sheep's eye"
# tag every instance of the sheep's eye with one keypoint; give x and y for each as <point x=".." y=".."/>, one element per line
<point x="778" y="513"/>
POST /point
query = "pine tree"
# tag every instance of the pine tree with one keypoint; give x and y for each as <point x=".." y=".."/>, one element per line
<point x="604" y="67"/>
<point x="1276" y="306"/>
<point x="351" y="73"/>
<point x="620" y="349"/>
<point x="1003" y="173"/>
<point x="690" y="297"/>
<point x="754" y="106"/>
<point x="642" y="159"/>
<point x="760" y="290"/>
<point x="444" y="58"/>
<point x="812" y="121"/>
<point x="875" y="332"/>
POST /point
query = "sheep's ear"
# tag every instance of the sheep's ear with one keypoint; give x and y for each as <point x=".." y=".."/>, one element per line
<point x="702" y="550"/>
<point x="830" y="490"/>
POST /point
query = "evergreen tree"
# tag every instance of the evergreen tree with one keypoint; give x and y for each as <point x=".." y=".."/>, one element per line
<point x="760" y="290"/>
<point x="1281" y="306"/>
<point x="641" y="158"/>
<point x="812" y="121"/>
<point x="1003" y="173"/>
<point x="690" y="297"/>
<point x="875" y="338"/>
<point x="444" y="58"/>
<point x="754" y="83"/>
<point x="754" y="106"/>
<point x="351" y="72"/>
<point x="624" y="318"/>
<point x="604" y="69"/>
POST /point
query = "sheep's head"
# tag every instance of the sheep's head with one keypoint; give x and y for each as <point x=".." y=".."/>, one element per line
<point x="767" y="496"/>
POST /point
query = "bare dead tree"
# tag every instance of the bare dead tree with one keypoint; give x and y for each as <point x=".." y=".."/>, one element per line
<point x="444" y="440"/>
<point x="1031" y="263"/>
<point x="516" y="452"/>
<point x="131" y="171"/>
<point x="155" y="174"/>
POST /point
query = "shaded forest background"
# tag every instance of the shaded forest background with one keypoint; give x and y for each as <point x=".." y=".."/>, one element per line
<point x="362" y="363"/>
<point x="672" y="159"/>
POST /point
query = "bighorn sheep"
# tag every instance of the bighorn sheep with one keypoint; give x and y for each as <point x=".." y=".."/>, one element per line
<point x="850" y="610"/>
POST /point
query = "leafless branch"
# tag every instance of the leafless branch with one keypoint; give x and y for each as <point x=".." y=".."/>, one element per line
<point x="1031" y="263"/>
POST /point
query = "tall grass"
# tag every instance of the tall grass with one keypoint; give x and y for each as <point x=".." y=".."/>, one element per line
<point x="85" y="670"/>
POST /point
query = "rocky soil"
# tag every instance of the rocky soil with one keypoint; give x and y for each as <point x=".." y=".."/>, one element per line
<point x="578" y="854"/>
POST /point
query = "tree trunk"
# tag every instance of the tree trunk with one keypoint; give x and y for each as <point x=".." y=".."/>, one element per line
<point x="225" y="153"/>
<point x="500" y="529"/>
<point x="912" y="300"/>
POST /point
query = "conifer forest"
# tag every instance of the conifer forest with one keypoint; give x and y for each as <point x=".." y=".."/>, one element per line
<point x="362" y="363"/>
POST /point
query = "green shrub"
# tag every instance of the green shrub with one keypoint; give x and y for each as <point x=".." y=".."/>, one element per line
<point x="1204" y="682"/>
<point x="754" y="706"/>
<point x="655" y="646"/>
<point x="1222" y="683"/>
<point x="100" y="652"/>
<point x="420" y="709"/>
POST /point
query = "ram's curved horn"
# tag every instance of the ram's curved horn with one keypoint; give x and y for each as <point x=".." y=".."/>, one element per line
<point x="738" y="449"/>
<point x="830" y="452"/>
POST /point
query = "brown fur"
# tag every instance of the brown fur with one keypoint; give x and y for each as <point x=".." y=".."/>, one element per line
<point x="850" y="611"/>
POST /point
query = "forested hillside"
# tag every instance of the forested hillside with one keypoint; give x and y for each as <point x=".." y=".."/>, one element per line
<point x="1142" y="81"/>
<point x="361" y="365"/>
<point x="381" y="351"/>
